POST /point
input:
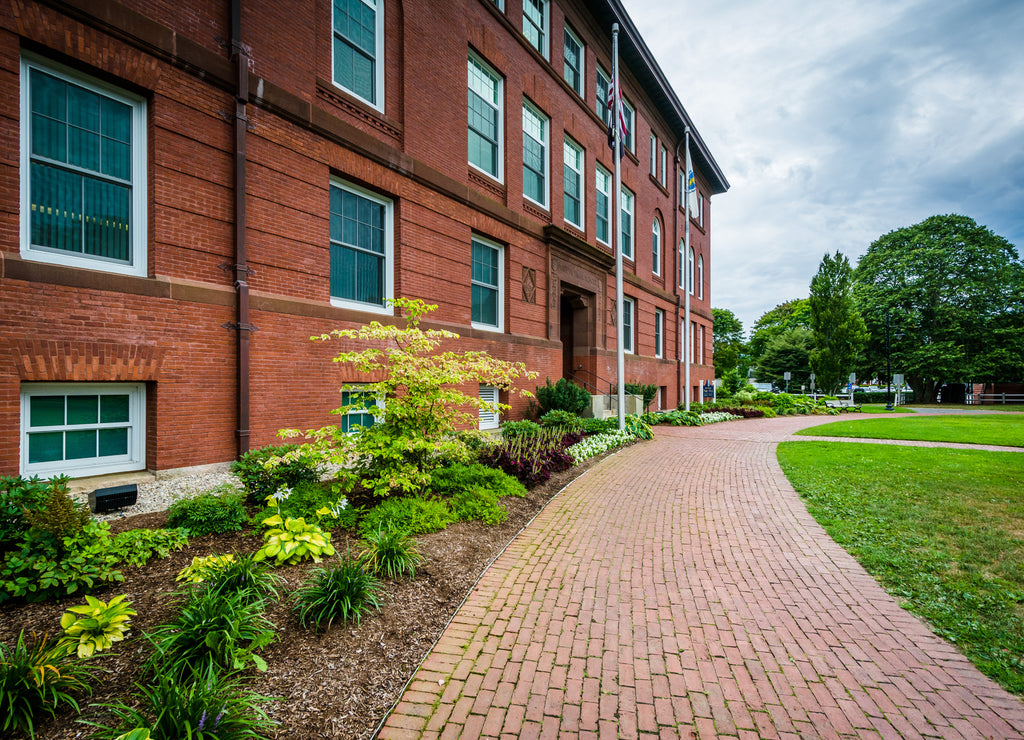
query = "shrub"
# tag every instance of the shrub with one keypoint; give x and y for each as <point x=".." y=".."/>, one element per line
<point x="647" y="391"/>
<point x="18" y="495"/>
<point x="524" y="428"/>
<point x="343" y="592"/>
<point x="59" y="516"/>
<point x="598" y="426"/>
<point x="478" y="504"/>
<point x="212" y="631"/>
<point x="566" y="420"/>
<point x="412" y="515"/>
<point x="291" y="465"/>
<point x="307" y="498"/>
<point x="389" y="553"/>
<point x="207" y="705"/>
<point x="96" y="625"/>
<point x="675" y="418"/>
<point x="44" y="567"/>
<point x="214" y="512"/>
<point x="136" y="546"/>
<point x="451" y="480"/>
<point x="532" y="460"/>
<point x="37" y="678"/>
<point x="564" y="395"/>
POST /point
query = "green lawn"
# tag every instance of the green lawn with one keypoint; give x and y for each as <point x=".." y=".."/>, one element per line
<point x="879" y="408"/>
<point x="984" y="429"/>
<point x="942" y="530"/>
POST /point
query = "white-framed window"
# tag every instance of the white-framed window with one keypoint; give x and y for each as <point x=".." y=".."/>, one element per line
<point x="664" y="166"/>
<point x="83" y="170"/>
<point x="689" y="272"/>
<point x="536" y="21"/>
<point x="693" y="334"/>
<point x="656" y="246"/>
<point x="500" y="4"/>
<point x="682" y="340"/>
<point x="703" y="339"/>
<point x="700" y="209"/>
<point x="363" y="408"/>
<point x="489" y="418"/>
<point x="82" y="429"/>
<point x="485" y="119"/>
<point x="626" y="219"/>
<point x="574" y="70"/>
<point x="603" y="204"/>
<point x="486" y="280"/>
<point x="659" y="333"/>
<point x="628" y="324"/>
<point x="629" y="113"/>
<point x="681" y="262"/>
<point x="654" y="155"/>
<point x="358" y="49"/>
<point x="700" y="276"/>
<point x="573" y="177"/>
<point x="362" y="248"/>
<point x="604" y="81"/>
<point x="535" y="155"/>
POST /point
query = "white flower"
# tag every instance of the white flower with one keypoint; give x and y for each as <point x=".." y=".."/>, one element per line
<point x="281" y="494"/>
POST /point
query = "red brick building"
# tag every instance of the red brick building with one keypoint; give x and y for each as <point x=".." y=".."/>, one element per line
<point x="190" y="190"/>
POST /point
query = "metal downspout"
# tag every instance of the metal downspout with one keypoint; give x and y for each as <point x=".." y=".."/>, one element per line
<point x="241" y="269"/>
<point x="675" y="278"/>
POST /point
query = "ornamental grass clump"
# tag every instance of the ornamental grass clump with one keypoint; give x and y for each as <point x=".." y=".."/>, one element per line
<point x="390" y="553"/>
<point x="343" y="592"/>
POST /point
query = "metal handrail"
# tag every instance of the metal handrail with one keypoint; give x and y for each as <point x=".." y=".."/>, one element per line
<point x="611" y="385"/>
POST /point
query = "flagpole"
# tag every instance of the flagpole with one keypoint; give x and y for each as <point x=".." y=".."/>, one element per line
<point x="687" y="347"/>
<point x="620" y="350"/>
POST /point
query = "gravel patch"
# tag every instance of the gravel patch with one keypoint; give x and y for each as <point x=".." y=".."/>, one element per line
<point x="159" y="494"/>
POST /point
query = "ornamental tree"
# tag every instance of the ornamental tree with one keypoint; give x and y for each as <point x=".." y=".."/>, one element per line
<point x="416" y="404"/>
<point x="837" y="328"/>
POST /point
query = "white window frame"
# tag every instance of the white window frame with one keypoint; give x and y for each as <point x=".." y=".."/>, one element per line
<point x="389" y="252"/>
<point x="689" y="270"/>
<point x="628" y="325"/>
<point x="360" y="388"/>
<point x="139" y="238"/>
<point x="682" y="340"/>
<point x="499" y="91"/>
<point x="578" y="168"/>
<point x="629" y="112"/>
<point x="378" y="66"/>
<point x="530" y="109"/>
<point x="544" y="30"/>
<point x="134" y="459"/>
<point x="656" y="246"/>
<point x="628" y="207"/>
<point x="488" y="419"/>
<point x="700" y="276"/>
<point x="601" y="102"/>
<point x="599" y="174"/>
<point x="700" y="209"/>
<point x="654" y="155"/>
<point x="681" y="262"/>
<point x="659" y="333"/>
<point x="703" y="339"/>
<point x="581" y="88"/>
<point x="500" y="326"/>
<point x="664" y="167"/>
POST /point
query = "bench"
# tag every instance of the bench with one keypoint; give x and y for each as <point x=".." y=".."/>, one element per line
<point x="843" y="404"/>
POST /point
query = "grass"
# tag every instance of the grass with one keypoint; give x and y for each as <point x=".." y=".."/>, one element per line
<point x="879" y="408"/>
<point x="981" y="429"/>
<point x="942" y="530"/>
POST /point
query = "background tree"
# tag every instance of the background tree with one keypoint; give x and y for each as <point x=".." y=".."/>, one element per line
<point x="795" y="314"/>
<point x="838" y="329"/>
<point x="789" y="351"/>
<point x="954" y="292"/>
<point x="727" y="341"/>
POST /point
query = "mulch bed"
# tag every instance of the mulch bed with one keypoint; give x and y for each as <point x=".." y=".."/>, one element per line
<point x="336" y="684"/>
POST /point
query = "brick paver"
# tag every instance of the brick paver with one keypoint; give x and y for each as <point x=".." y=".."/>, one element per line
<point x="679" y="589"/>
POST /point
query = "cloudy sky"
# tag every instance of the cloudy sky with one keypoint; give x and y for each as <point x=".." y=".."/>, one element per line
<point x="837" y="121"/>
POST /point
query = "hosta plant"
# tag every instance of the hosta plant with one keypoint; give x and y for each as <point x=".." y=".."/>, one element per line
<point x="205" y="567"/>
<point x="291" y="541"/>
<point x="96" y="625"/>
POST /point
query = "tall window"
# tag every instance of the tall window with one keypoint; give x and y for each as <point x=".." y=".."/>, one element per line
<point x="535" y="155"/>
<point x="362" y="266"/>
<point x="359" y="49"/>
<point x="362" y="409"/>
<point x="574" y="56"/>
<point x="681" y="261"/>
<point x="703" y="339"/>
<point x="654" y="155"/>
<point x="83" y="171"/>
<point x="656" y="246"/>
<point x="664" y="166"/>
<point x="659" y="333"/>
<point x="629" y="114"/>
<point x="700" y="209"/>
<point x="700" y="276"/>
<point x="82" y="428"/>
<point x="689" y="272"/>
<point x="603" y="83"/>
<point x="628" y="324"/>
<point x="486" y="282"/>
<point x="485" y="135"/>
<point x="603" y="205"/>
<point x="627" y="223"/>
<point x="535" y="24"/>
<point x="573" y="206"/>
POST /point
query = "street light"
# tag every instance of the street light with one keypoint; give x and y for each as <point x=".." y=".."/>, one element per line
<point x="888" y="365"/>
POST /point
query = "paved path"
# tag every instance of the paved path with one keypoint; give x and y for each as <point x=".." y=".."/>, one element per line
<point x="679" y="589"/>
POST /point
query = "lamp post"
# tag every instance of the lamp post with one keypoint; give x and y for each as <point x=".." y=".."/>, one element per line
<point x="888" y="366"/>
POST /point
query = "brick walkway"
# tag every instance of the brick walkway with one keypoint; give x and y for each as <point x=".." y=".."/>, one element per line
<point x="680" y="589"/>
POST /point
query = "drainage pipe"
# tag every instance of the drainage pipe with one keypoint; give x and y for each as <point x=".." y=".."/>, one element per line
<point x="241" y="269"/>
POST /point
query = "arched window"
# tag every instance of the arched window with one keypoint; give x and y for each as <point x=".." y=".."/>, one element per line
<point x="689" y="271"/>
<point x="656" y="246"/>
<point x="679" y="261"/>
<point x="700" y="277"/>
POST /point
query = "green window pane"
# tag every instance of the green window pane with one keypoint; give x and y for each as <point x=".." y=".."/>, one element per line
<point x="113" y="442"/>
<point x="355" y="47"/>
<point x="343" y="272"/>
<point x="49" y="96"/>
<point x="46" y="411"/>
<point x="114" y="409"/>
<point x="83" y="409"/>
<point x="485" y="305"/>
<point x="107" y="218"/>
<point x="56" y="208"/>
<point x="49" y="138"/>
<point x="369" y="278"/>
<point x="116" y="121"/>
<point x="79" y="445"/>
<point x="485" y="264"/>
<point x="83" y="108"/>
<point x="45" y="447"/>
<point x="84" y="148"/>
